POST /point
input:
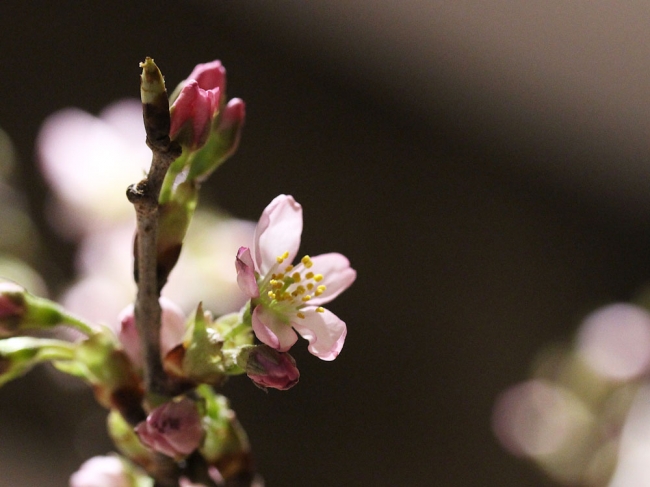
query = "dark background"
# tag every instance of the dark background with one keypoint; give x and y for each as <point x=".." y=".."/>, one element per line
<point x="484" y="169"/>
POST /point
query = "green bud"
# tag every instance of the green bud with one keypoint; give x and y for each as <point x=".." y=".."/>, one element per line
<point x="222" y="142"/>
<point x="155" y="105"/>
<point x="20" y="310"/>
<point x="19" y="354"/>
<point x="226" y="444"/>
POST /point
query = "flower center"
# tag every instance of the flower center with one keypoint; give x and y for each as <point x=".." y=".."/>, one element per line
<point x="288" y="288"/>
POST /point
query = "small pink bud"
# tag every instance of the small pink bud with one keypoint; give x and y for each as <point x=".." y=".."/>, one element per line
<point x="192" y="113"/>
<point x="12" y="307"/>
<point x="269" y="368"/>
<point x="173" y="429"/>
<point x="230" y="125"/>
<point x="171" y="330"/>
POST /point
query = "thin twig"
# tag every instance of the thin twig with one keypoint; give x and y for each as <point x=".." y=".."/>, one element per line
<point x="144" y="197"/>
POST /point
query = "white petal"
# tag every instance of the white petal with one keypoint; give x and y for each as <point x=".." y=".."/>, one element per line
<point x="271" y="331"/>
<point x="277" y="232"/>
<point x="337" y="276"/>
<point x="325" y="332"/>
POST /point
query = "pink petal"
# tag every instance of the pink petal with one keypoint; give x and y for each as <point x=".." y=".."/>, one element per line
<point x="246" y="273"/>
<point x="101" y="471"/>
<point x="272" y="331"/>
<point x="337" y="276"/>
<point x="192" y="110"/>
<point x="325" y="332"/>
<point x="209" y="75"/>
<point x="277" y="232"/>
<point x="172" y="330"/>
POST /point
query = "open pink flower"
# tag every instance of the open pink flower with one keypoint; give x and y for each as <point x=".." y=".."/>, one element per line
<point x="287" y="297"/>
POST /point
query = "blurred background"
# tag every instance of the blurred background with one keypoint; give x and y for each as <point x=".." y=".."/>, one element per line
<point x="484" y="165"/>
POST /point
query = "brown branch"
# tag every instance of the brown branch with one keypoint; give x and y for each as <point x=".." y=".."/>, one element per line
<point x="144" y="197"/>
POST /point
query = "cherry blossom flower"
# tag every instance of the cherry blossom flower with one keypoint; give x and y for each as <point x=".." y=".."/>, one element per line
<point x="286" y="297"/>
<point x="173" y="429"/>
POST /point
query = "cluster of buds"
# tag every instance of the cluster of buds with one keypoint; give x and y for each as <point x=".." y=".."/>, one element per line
<point x="166" y="418"/>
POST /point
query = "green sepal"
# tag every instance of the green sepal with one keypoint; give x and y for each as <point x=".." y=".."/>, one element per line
<point x="217" y="149"/>
<point x="175" y="216"/>
<point x="203" y="361"/>
<point x="226" y="442"/>
<point x="127" y="441"/>
<point x="33" y="312"/>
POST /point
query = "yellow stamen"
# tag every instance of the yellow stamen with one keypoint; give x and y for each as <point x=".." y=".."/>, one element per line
<point x="306" y="297"/>
<point x="300" y="315"/>
<point x="310" y="286"/>
<point x="280" y="258"/>
<point x="309" y="275"/>
<point x="271" y="294"/>
<point x="320" y="309"/>
<point x="318" y="277"/>
<point x="320" y="290"/>
<point x="295" y="276"/>
<point x="306" y="260"/>
<point x="289" y="268"/>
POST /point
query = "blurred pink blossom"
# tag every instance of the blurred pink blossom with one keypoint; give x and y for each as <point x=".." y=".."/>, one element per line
<point x="102" y="471"/>
<point x="171" y="330"/>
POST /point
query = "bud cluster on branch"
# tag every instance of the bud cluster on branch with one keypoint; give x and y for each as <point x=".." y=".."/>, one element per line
<point x="156" y="370"/>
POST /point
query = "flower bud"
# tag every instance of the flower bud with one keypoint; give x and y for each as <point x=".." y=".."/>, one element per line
<point x="192" y="113"/>
<point x="173" y="429"/>
<point x="226" y="445"/>
<point x="267" y="367"/>
<point x="223" y="140"/>
<point x="171" y="330"/>
<point x="107" y="471"/>
<point x="155" y="105"/>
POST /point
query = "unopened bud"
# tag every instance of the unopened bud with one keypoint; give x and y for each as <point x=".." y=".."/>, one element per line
<point x="223" y="140"/>
<point x="192" y="113"/>
<point x="173" y="429"/>
<point x="20" y="310"/>
<point x="267" y="367"/>
<point x="155" y="105"/>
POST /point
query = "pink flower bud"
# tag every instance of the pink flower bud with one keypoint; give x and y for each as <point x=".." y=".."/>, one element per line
<point x="107" y="471"/>
<point x="209" y="75"/>
<point x="269" y="368"/>
<point x="12" y="307"/>
<point x="230" y="126"/>
<point x="173" y="429"/>
<point x="192" y="113"/>
<point x="171" y="331"/>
